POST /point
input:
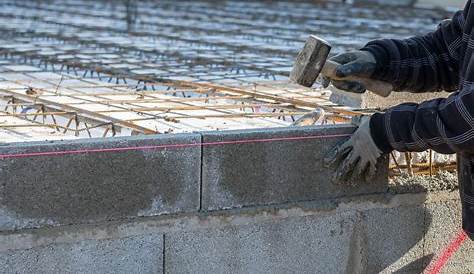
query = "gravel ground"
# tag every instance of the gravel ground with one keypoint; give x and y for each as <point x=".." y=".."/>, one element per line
<point x="442" y="181"/>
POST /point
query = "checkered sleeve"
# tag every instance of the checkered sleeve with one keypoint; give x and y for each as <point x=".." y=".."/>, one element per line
<point x="423" y="63"/>
<point x="427" y="63"/>
<point x="445" y="125"/>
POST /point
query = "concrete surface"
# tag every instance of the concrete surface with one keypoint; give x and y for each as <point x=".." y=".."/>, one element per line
<point x="93" y="187"/>
<point x="394" y="239"/>
<point x="446" y="223"/>
<point x="293" y="245"/>
<point x="140" y="254"/>
<point x="275" y="172"/>
<point x="363" y="234"/>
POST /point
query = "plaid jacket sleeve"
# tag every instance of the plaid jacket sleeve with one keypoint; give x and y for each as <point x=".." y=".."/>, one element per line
<point x="428" y="63"/>
<point x="421" y="63"/>
<point x="444" y="125"/>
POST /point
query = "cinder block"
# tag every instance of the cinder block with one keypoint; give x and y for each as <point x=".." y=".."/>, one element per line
<point x="395" y="239"/>
<point x="92" y="187"/>
<point x="312" y="244"/>
<point x="140" y="254"/>
<point x="445" y="225"/>
<point x="262" y="173"/>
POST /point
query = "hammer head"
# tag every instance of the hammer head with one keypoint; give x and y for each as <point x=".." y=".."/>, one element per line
<point x="310" y="61"/>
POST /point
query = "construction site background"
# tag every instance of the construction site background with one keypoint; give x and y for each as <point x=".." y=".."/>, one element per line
<point x="160" y="137"/>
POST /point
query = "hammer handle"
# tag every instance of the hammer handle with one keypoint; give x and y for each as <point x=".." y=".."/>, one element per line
<point x="376" y="86"/>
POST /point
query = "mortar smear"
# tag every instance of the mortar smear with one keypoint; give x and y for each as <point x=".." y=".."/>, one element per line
<point x="405" y="183"/>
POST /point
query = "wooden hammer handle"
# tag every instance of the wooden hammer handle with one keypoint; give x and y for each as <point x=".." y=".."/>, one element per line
<point x="376" y="86"/>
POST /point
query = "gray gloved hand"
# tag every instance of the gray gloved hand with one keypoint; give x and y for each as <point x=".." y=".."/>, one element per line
<point x="356" y="63"/>
<point x="356" y="157"/>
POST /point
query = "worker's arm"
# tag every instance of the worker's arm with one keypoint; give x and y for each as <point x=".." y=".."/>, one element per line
<point x="423" y="63"/>
<point x="445" y="125"/>
<point x="418" y="64"/>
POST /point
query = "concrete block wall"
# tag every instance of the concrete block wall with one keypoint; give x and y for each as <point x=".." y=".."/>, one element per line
<point x="117" y="184"/>
<point x="208" y="206"/>
<point x="362" y="234"/>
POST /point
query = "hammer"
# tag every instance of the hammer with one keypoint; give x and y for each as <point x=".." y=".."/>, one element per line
<point x="312" y="60"/>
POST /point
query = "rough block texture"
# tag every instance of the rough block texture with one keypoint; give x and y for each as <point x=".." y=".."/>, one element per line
<point x="446" y="223"/>
<point x="140" y="254"/>
<point x="82" y="188"/>
<point x="293" y="245"/>
<point x="364" y="234"/>
<point x="275" y="172"/>
<point x="394" y="239"/>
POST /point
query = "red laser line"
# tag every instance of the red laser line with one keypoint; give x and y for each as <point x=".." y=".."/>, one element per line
<point x="436" y="266"/>
<point x="117" y="149"/>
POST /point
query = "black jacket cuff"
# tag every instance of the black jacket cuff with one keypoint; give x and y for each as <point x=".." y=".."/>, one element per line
<point x="377" y="131"/>
<point x="381" y="57"/>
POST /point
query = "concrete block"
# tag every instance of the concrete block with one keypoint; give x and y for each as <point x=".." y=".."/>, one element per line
<point x="443" y="229"/>
<point x="262" y="173"/>
<point x="139" y="254"/>
<point x="395" y="239"/>
<point x="93" y="187"/>
<point x="312" y="244"/>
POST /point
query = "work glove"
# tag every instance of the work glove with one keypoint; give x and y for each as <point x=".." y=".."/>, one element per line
<point x="357" y="157"/>
<point x="356" y="63"/>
